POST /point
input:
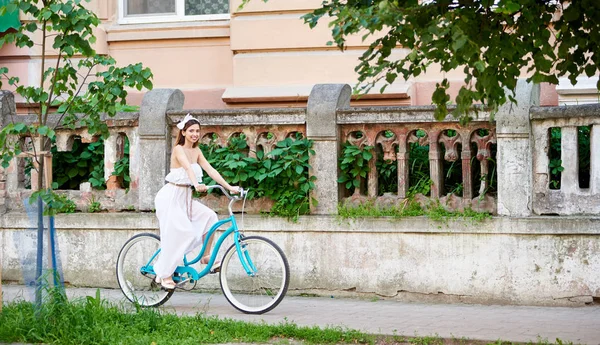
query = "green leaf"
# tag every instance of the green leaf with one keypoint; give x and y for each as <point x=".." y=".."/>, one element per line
<point x="73" y="172"/>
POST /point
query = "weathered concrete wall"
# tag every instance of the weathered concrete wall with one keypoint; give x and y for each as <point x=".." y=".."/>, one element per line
<point x="534" y="260"/>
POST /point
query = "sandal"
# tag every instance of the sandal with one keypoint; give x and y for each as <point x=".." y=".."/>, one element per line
<point x="165" y="284"/>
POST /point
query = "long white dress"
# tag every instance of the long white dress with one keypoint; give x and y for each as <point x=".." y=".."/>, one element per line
<point x="183" y="221"/>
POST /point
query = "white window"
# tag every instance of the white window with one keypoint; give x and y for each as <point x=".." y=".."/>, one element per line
<point x="161" y="11"/>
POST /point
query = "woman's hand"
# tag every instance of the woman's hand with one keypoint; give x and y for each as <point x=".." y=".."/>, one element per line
<point x="200" y="188"/>
<point x="234" y="189"/>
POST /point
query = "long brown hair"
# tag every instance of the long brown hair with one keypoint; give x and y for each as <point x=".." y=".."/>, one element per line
<point x="181" y="138"/>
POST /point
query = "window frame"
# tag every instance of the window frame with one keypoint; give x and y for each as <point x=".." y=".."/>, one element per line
<point x="178" y="16"/>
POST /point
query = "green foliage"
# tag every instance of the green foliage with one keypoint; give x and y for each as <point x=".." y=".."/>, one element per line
<point x="94" y="205"/>
<point x="54" y="203"/>
<point x="584" y="155"/>
<point x="281" y="175"/>
<point x="388" y="176"/>
<point x="84" y="163"/>
<point x="92" y="320"/>
<point x="584" y="150"/>
<point x="418" y="175"/>
<point x="75" y="80"/>
<point x="453" y="183"/>
<point x="354" y="165"/>
<point x="555" y="163"/>
<point x="549" y="39"/>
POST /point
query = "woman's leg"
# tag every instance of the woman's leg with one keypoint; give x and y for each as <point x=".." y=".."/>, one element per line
<point x="204" y="218"/>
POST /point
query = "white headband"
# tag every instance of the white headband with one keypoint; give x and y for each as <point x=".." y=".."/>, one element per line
<point x="181" y="124"/>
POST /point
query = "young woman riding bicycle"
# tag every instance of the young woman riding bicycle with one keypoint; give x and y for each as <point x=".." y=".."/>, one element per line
<point x="184" y="222"/>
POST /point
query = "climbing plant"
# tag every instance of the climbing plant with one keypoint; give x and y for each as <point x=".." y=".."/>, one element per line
<point x="354" y="165"/>
<point x="281" y="175"/>
<point x="84" y="163"/>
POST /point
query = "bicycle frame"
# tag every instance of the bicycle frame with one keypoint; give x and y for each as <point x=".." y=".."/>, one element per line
<point x="187" y="271"/>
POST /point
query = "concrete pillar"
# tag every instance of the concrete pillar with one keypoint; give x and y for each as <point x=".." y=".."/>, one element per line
<point x="322" y="128"/>
<point x="153" y="141"/>
<point x="595" y="160"/>
<point x="110" y="154"/>
<point x="514" y="157"/>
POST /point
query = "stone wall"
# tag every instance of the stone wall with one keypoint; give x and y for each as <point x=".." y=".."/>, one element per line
<point x="533" y="260"/>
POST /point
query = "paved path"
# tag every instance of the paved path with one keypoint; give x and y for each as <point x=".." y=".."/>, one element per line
<point x="509" y="323"/>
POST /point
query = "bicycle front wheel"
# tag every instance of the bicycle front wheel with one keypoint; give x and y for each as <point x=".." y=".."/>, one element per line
<point x="259" y="292"/>
<point x="134" y="278"/>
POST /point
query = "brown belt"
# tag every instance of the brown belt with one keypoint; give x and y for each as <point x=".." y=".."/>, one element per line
<point x="188" y="201"/>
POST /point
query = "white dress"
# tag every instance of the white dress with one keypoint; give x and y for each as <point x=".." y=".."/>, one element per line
<point x="183" y="222"/>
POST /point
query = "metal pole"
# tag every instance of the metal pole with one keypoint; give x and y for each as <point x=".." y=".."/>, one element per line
<point x="40" y="253"/>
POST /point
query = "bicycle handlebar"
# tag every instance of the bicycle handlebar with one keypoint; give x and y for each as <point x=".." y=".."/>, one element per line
<point x="239" y="196"/>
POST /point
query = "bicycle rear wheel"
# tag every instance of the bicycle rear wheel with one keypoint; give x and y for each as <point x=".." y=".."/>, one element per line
<point x="263" y="291"/>
<point x="136" y="282"/>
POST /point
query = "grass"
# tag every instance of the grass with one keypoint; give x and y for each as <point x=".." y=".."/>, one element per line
<point x="369" y="209"/>
<point x="95" y="321"/>
<point x="435" y="211"/>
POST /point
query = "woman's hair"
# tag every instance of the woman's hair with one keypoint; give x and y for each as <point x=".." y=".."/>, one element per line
<point x="181" y="138"/>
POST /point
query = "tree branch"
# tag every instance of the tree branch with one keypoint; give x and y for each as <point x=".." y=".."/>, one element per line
<point x="52" y="86"/>
<point x="74" y="96"/>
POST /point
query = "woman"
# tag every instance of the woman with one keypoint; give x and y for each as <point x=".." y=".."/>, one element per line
<point x="184" y="222"/>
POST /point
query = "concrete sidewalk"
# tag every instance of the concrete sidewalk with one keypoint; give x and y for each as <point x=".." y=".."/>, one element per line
<point x="480" y="322"/>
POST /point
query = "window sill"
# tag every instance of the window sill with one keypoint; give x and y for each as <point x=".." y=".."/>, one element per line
<point x="165" y="31"/>
<point x="298" y="93"/>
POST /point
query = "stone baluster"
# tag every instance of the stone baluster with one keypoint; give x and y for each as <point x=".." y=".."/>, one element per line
<point x="110" y="158"/>
<point x="485" y="182"/>
<point x="436" y="167"/>
<point x="373" y="180"/>
<point x="402" y="160"/>
<point x="569" y="182"/>
<point x="467" y="169"/>
<point x="322" y="128"/>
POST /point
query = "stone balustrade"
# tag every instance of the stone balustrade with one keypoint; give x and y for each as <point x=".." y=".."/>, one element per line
<point x="122" y="127"/>
<point x="392" y="130"/>
<point x="500" y="166"/>
<point x="574" y="190"/>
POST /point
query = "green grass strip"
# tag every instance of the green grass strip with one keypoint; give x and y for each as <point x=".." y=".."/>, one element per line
<point x="96" y="321"/>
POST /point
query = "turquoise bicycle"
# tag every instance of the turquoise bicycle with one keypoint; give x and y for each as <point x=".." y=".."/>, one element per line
<point x="254" y="273"/>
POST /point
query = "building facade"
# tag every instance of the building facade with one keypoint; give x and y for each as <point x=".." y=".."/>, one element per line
<point x="262" y="55"/>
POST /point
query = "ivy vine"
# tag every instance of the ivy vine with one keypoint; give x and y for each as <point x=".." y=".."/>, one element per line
<point x="281" y="175"/>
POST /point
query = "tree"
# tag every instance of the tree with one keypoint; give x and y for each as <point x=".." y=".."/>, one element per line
<point x="76" y="86"/>
<point x="492" y="41"/>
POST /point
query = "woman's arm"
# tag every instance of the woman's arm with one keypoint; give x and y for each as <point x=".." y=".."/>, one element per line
<point x="183" y="161"/>
<point x="215" y="174"/>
